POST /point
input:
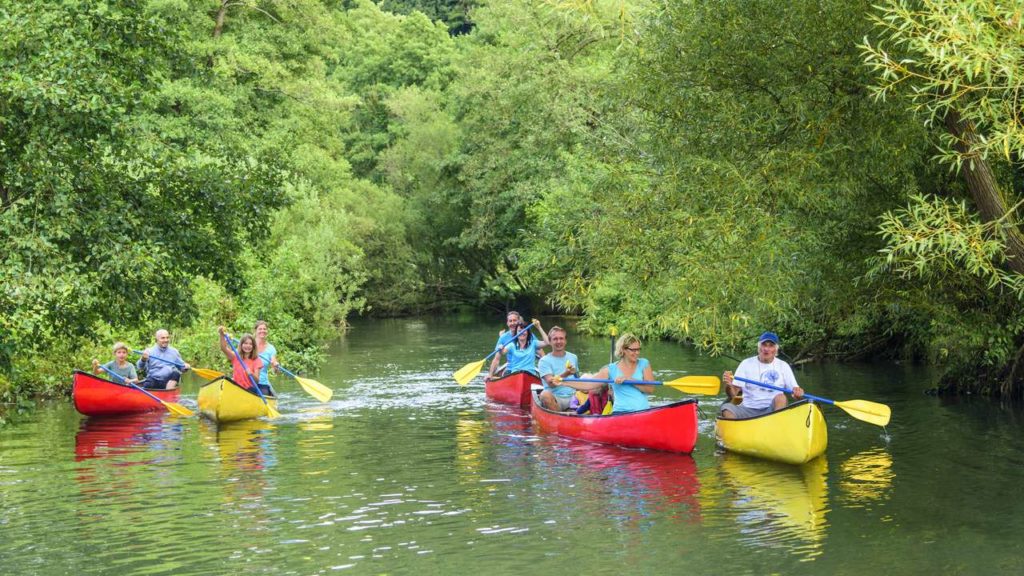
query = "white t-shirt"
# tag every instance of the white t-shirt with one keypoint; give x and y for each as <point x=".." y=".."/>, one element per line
<point x="777" y="373"/>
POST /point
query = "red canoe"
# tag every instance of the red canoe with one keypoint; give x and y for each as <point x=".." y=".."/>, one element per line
<point x="672" y="427"/>
<point x="512" y="389"/>
<point x="95" y="396"/>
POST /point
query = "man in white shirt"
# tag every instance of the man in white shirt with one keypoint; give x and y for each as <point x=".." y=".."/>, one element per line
<point x="764" y="367"/>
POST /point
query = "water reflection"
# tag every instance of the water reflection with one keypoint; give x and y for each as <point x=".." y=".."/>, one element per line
<point x="468" y="447"/>
<point x="124" y="435"/>
<point x="777" y="504"/>
<point x="866" y="477"/>
<point x="510" y="436"/>
<point x="314" y="443"/>
<point x="243" y="446"/>
<point x="493" y="452"/>
<point x="638" y="484"/>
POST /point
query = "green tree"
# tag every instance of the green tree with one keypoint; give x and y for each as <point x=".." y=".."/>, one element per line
<point x="748" y="198"/>
<point x="958" y="66"/>
<point x="456" y="14"/>
<point x="98" y="205"/>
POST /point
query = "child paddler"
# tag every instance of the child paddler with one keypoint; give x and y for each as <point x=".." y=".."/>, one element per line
<point x="247" y="371"/>
<point x="119" y="365"/>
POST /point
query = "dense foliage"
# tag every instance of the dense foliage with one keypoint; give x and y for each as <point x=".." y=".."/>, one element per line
<point x="691" y="170"/>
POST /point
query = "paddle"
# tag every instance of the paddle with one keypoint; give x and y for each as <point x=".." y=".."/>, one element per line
<point x="469" y="371"/>
<point x="271" y="412"/>
<point x="315" y="389"/>
<point x="872" y="412"/>
<point x="172" y="407"/>
<point x="688" y="384"/>
<point x="204" y="373"/>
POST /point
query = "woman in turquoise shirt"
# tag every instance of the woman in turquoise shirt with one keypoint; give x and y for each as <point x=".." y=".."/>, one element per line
<point x="522" y="354"/>
<point x="267" y="353"/>
<point x="627" y="397"/>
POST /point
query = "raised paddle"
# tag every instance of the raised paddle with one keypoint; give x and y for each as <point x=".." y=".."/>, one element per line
<point x="172" y="407"/>
<point x="315" y="389"/>
<point x="688" y="384"/>
<point x="271" y="412"/>
<point x="204" y="373"/>
<point x="873" y="412"/>
<point x="469" y="371"/>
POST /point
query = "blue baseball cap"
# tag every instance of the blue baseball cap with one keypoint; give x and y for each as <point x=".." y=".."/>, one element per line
<point x="768" y="337"/>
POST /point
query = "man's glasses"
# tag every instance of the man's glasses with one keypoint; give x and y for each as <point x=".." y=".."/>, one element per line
<point x="637" y="349"/>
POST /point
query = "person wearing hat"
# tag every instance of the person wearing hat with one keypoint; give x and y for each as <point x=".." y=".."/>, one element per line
<point x="764" y="367"/>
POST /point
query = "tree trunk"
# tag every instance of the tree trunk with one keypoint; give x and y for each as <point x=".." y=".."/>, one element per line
<point x="221" y="15"/>
<point x="984" y="189"/>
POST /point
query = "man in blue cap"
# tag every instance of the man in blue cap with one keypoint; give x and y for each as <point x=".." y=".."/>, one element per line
<point x="764" y="367"/>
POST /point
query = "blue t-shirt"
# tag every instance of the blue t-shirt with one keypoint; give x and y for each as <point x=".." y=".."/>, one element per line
<point x="627" y="397"/>
<point x="268" y="353"/>
<point x="504" y="339"/>
<point x="522" y="359"/>
<point x="551" y="365"/>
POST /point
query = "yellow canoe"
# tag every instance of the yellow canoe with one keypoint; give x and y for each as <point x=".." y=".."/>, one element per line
<point x="222" y="400"/>
<point x="795" y="434"/>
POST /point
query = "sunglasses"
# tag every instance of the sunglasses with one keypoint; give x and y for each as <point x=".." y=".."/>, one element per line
<point x="637" y="349"/>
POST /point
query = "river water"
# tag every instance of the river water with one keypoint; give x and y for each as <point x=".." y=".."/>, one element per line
<point x="405" y="472"/>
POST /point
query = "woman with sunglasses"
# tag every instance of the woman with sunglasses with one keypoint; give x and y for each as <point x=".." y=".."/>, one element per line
<point x="626" y="397"/>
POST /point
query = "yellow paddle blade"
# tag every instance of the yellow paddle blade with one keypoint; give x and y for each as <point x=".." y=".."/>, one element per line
<point x="315" y="389"/>
<point x="873" y="412"/>
<point x="272" y="412"/>
<point x="696" y="384"/>
<point x="468" y="372"/>
<point x="178" y="409"/>
<point x="206" y="373"/>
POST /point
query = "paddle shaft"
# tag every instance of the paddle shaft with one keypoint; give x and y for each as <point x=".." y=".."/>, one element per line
<point x="610" y="381"/>
<point x="133" y="385"/>
<point x="511" y="341"/>
<point x="780" y="389"/>
<point x="164" y="360"/>
<point x="254" y="383"/>
<point x="279" y="367"/>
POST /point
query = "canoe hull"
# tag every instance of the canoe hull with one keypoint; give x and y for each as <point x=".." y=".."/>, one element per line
<point x="794" y="435"/>
<point x="95" y="396"/>
<point x="670" y="428"/>
<point x="222" y="400"/>
<point x="512" y="389"/>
